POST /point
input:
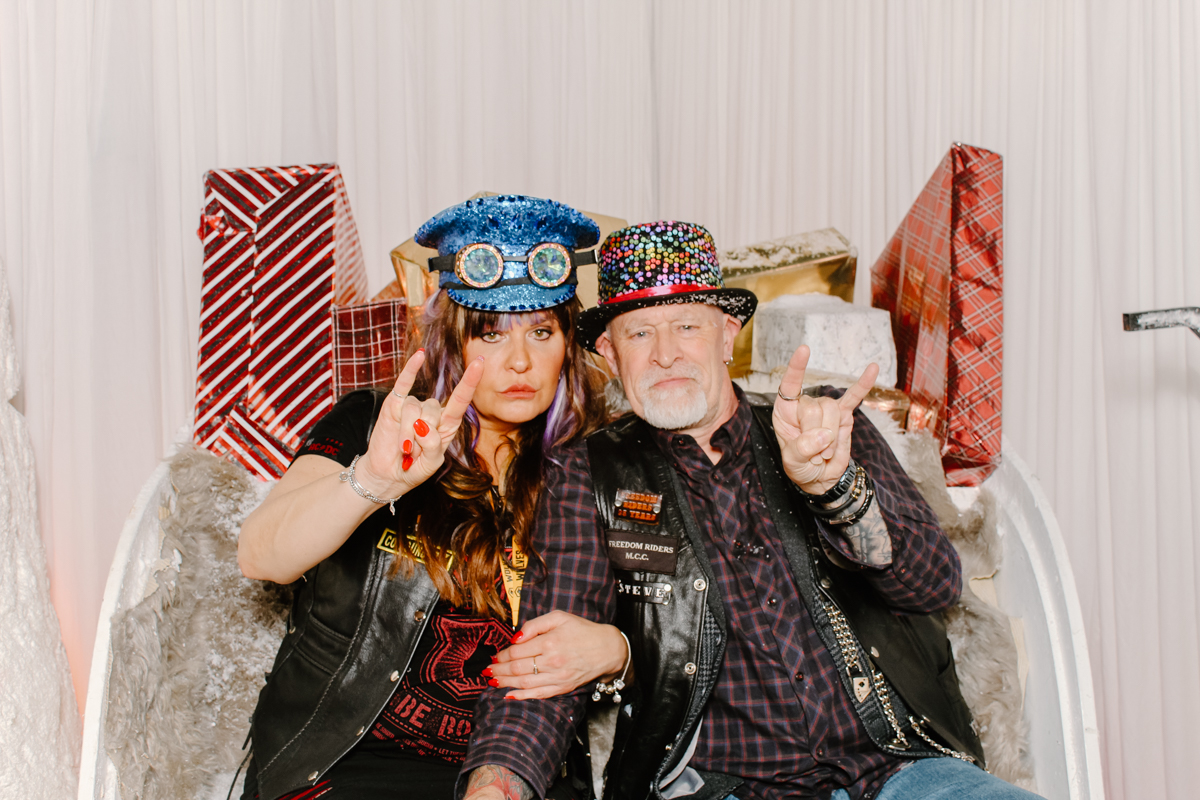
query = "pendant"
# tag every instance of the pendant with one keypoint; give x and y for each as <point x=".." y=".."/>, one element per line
<point x="862" y="688"/>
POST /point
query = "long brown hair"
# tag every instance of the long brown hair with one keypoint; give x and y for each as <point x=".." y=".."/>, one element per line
<point x="458" y="530"/>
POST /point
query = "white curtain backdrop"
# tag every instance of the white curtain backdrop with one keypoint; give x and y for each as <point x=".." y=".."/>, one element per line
<point x="755" y="118"/>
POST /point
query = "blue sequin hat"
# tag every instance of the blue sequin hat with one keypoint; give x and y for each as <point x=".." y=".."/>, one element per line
<point x="658" y="263"/>
<point x="508" y="252"/>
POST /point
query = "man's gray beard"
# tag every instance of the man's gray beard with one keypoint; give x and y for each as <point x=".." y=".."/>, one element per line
<point x="674" y="409"/>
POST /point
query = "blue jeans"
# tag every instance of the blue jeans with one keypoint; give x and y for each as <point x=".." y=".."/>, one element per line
<point x="944" y="779"/>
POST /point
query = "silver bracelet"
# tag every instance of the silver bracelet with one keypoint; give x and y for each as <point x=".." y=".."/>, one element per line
<point x="348" y="477"/>
<point x="616" y="686"/>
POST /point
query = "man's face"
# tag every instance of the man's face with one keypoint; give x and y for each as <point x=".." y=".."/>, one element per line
<point x="671" y="360"/>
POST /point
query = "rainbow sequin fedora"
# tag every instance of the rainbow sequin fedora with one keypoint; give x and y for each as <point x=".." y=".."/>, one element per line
<point x="659" y="263"/>
<point x="509" y="252"/>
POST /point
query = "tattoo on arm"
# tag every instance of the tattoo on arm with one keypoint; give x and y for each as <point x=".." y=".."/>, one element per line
<point x="869" y="538"/>
<point x="489" y="779"/>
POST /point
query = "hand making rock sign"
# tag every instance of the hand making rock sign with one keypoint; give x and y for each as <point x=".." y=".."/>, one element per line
<point x="814" y="432"/>
<point x="310" y="513"/>
<point x="409" y="440"/>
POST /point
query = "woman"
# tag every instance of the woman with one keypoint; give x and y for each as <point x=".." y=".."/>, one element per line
<point x="408" y="522"/>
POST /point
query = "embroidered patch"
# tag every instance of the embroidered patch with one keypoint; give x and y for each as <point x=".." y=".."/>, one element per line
<point x="389" y="542"/>
<point x="643" y="507"/>
<point x="644" y="552"/>
<point x="645" y="591"/>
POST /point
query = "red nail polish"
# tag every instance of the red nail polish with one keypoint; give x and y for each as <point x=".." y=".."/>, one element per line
<point x="494" y="683"/>
<point x="420" y="349"/>
<point x="407" y="446"/>
<point x="406" y="462"/>
<point x="421" y="427"/>
<point x="487" y="672"/>
<point x="495" y="660"/>
<point x="517" y="636"/>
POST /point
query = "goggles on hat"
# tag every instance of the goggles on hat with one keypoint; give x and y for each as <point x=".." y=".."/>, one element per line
<point x="481" y="265"/>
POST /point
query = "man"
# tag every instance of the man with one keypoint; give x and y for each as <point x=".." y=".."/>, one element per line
<point x="778" y="575"/>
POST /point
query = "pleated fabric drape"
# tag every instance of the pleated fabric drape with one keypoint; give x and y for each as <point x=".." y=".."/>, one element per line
<point x="757" y="118"/>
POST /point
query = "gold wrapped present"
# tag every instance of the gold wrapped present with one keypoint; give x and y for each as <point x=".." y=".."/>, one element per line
<point x="817" y="261"/>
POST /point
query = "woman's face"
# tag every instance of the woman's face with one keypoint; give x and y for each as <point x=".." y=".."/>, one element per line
<point x="520" y="369"/>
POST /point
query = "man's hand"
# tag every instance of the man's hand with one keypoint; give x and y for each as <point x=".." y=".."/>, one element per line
<point x="491" y="782"/>
<point x="814" y="432"/>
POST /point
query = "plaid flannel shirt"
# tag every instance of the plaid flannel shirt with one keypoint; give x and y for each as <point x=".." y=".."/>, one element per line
<point x="778" y="716"/>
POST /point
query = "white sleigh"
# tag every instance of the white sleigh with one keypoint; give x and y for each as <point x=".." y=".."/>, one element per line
<point x="1034" y="584"/>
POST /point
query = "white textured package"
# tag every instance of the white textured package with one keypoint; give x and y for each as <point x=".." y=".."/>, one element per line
<point x="40" y="728"/>
<point x="843" y="337"/>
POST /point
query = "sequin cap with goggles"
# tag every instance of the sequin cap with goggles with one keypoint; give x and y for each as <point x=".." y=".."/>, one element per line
<point x="508" y="252"/>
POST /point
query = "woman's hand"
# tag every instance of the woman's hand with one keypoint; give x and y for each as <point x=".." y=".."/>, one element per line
<point x="410" y="437"/>
<point x="311" y="512"/>
<point x="569" y="651"/>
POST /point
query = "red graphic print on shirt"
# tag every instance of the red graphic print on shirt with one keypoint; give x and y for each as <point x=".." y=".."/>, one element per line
<point x="431" y="711"/>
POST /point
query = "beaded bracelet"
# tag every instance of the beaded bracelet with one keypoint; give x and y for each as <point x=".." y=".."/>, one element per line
<point x="616" y="686"/>
<point x="847" y="500"/>
<point x="860" y="512"/>
<point x="360" y="490"/>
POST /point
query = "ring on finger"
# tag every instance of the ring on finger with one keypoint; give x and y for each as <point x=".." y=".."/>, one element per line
<point x="783" y="396"/>
<point x="535" y="669"/>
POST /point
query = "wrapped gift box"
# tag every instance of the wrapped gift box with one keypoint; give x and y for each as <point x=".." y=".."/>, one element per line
<point x="818" y="261"/>
<point x="280" y="250"/>
<point x="369" y="342"/>
<point x="940" y="277"/>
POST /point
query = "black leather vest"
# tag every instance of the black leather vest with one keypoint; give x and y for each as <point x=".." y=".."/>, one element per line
<point x="677" y="627"/>
<point x="351" y="635"/>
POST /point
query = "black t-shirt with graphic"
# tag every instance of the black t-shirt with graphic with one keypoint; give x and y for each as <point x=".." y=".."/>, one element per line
<point x="430" y="712"/>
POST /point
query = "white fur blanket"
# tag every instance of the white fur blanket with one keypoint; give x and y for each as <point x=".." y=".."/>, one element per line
<point x="189" y="660"/>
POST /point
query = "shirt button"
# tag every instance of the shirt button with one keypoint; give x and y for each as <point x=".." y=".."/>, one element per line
<point x="395" y="676"/>
<point x="772" y="601"/>
<point x="875" y="652"/>
<point x="799" y="676"/>
<point x="419" y="616"/>
<point x="312" y="776"/>
<point x="700" y="584"/>
<point x="826" y="584"/>
<point x="689" y="668"/>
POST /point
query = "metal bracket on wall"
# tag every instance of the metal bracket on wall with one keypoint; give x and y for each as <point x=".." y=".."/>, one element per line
<point x="1166" y="318"/>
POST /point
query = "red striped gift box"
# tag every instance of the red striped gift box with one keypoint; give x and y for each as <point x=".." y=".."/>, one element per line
<point x="280" y="250"/>
<point x="941" y="277"/>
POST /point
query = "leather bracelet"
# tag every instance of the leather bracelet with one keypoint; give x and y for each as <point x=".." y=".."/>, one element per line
<point x="847" y="500"/>
<point x="616" y="686"/>
<point x="842" y="486"/>
<point x="348" y="477"/>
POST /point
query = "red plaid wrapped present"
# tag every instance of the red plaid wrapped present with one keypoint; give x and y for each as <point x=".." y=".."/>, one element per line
<point x="280" y="248"/>
<point x="369" y="342"/>
<point x="941" y="276"/>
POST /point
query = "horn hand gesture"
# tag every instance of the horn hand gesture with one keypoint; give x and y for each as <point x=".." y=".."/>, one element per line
<point x="409" y="441"/>
<point x="814" y="432"/>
